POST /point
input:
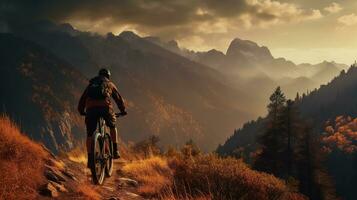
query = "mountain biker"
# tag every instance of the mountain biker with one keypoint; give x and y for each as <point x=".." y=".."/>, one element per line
<point x="95" y="102"/>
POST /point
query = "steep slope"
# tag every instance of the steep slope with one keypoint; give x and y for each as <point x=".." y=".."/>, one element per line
<point x="334" y="99"/>
<point x="167" y="94"/>
<point x="30" y="171"/>
<point x="39" y="91"/>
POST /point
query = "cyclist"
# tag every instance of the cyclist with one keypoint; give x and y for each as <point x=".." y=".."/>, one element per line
<point x="95" y="102"/>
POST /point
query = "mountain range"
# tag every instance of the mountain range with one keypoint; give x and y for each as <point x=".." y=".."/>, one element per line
<point x="171" y="92"/>
<point x="245" y="61"/>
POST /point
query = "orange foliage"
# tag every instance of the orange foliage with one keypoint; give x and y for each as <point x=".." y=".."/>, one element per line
<point x="21" y="166"/>
<point x="341" y="135"/>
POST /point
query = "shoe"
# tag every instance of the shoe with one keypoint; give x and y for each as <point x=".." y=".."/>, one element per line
<point x="116" y="154"/>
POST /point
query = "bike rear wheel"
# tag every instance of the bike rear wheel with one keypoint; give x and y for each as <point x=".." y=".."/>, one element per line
<point x="108" y="152"/>
<point x="97" y="166"/>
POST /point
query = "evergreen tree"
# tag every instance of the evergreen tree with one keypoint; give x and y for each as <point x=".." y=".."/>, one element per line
<point x="270" y="158"/>
<point x="290" y="131"/>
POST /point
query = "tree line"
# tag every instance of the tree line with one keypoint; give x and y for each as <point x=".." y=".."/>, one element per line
<point x="290" y="149"/>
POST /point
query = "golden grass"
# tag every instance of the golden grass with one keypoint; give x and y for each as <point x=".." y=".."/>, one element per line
<point x="205" y="177"/>
<point x="77" y="155"/>
<point x="153" y="175"/>
<point x="226" y="178"/>
<point x="22" y="161"/>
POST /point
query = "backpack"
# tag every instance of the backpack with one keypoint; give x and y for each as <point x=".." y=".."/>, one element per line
<point x="99" y="89"/>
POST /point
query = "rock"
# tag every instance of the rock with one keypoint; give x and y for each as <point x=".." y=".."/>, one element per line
<point x="132" y="195"/>
<point x="54" y="175"/>
<point x="127" y="182"/>
<point x="59" y="187"/>
<point x="49" y="190"/>
<point x="108" y="188"/>
<point x="113" y="198"/>
<point x="69" y="174"/>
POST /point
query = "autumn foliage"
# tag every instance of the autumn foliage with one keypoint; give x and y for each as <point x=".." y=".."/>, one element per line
<point x="341" y="134"/>
<point x="22" y="161"/>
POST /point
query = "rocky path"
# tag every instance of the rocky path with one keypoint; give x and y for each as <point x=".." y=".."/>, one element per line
<point x="64" y="177"/>
<point x="117" y="186"/>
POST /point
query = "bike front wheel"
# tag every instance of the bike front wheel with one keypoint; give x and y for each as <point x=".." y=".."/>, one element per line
<point x="97" y="164"/>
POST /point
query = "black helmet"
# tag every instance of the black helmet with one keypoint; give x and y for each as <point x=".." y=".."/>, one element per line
<point x="104" y="72"/>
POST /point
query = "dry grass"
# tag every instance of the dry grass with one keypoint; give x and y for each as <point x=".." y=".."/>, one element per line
<point x="77" y="155"/>
<point x="153" y="174"/>
<point x="226" y="178"/>
<point x="87" y="192"/>
<point x="205" y="177"/>
<point x="22" y="161"/>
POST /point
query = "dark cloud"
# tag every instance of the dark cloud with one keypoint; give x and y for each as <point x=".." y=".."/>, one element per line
<point x="141" y="12"/>
<point x="189" y="20"/>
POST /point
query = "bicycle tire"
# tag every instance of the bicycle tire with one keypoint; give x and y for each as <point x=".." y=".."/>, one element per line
<point x="109" y="162"/>
<point x="97" y="168"/>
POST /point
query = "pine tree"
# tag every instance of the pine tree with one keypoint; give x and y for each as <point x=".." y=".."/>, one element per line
<point x="315" y="182"/>
<point x="291" y="132"/>
<point x="269" y="159"/>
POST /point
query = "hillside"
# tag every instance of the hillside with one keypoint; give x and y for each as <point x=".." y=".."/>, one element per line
<point x="40" y="91"/>
<point x="339" y="142"/>
<point x="336" y="98"/>
<point x="32" y="172"/>
<point x="167" y="94"/>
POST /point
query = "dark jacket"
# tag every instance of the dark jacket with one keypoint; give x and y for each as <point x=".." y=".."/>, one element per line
<point x="86" y="102"/>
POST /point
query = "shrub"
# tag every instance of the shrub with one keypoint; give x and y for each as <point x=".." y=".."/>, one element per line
<point x="22" y="161"/>
<point x="205" y="177"/>
<point x="226" y="178"/>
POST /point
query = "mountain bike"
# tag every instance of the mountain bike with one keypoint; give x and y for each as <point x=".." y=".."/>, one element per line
<point x="102" y="151"/>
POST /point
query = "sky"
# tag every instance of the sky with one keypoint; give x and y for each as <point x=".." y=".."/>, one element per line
<point x="299" y="30"/>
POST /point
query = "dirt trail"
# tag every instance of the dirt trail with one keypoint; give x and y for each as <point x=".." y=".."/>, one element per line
<point x="72" y="175"/>
<point x="117" y="186"/>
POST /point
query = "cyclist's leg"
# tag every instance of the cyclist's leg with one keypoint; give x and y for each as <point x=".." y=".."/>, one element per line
<point x="91" y="124"/>
<point x="110" y="121"/>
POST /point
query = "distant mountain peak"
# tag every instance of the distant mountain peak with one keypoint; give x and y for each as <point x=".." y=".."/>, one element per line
<point x="173" y="44"/>
<point x="248" y="48"/>
<point x="129" y="35"/>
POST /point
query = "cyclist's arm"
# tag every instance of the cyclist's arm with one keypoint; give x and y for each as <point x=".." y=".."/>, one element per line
<point x="82" y="102"/>
<point x="118" y="99"/>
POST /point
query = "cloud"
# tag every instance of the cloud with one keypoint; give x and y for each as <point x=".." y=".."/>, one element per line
<point x="269" y="12"/>
<point x="185" y="20"/>
<point x="149" y="13"/>
<point x="333" y="8"/>
<point x="348" y="20"/>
